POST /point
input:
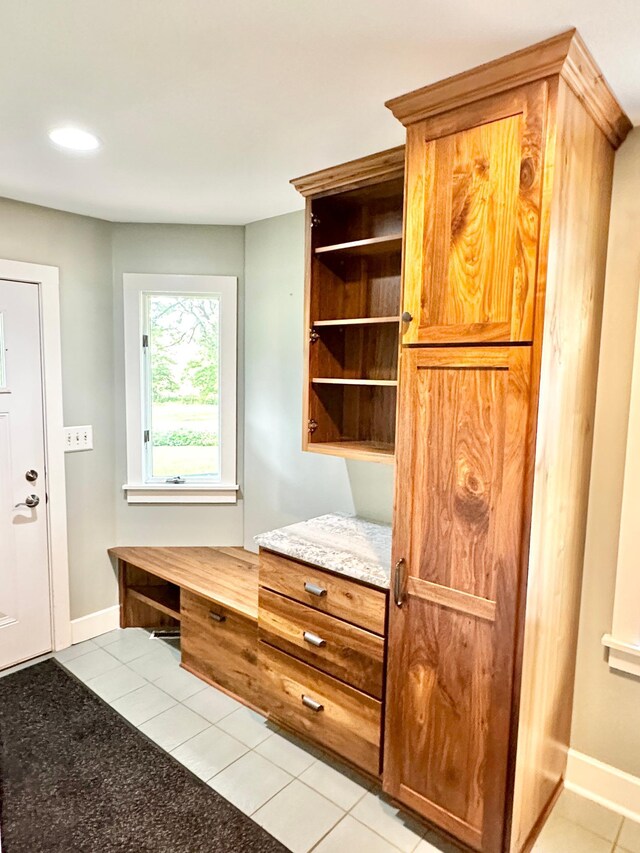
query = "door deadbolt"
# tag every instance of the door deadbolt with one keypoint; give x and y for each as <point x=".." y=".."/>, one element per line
<point x="31" y="476"/>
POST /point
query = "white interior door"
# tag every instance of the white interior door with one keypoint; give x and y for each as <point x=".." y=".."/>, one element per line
<point x="25" y="610"/>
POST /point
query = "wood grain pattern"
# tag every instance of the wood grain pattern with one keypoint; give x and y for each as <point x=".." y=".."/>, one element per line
<point x="225" y="652"/>
<point x="354" y="415"/>
<point x="564" y="55"/>
<point x="373" y="168"/>
<point x="165" y="598"/>
<point x="356" y="352"/>
<point x="449" y="672"/>
<point x="445" y="596"/>
<point x="225" y="575"/>
<point x="349" y="722"/>
<point x="345" y="598"/>
<point x="136" y="612"/>
<point x="472" y="223"/>
<point x="500" y="458"/>
<point x="566" y="348"/>
<point x="354" y="216"/>
<point x="365" y="451"/>
<point x="349" y="653"/>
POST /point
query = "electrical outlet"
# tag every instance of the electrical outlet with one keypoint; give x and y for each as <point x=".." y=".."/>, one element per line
<point x="78" y="438"/>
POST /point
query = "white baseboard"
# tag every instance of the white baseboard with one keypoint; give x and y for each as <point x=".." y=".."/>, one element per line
<point x="604" y="784"/>
<point x="95" y="624"/>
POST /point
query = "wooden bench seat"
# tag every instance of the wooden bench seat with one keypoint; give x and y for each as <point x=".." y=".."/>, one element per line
<point x="226" y="576"/>
<point x="213" y="594"/>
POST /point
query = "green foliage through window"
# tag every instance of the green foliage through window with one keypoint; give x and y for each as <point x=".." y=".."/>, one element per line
<point x="183" y="368"/>
<point x="185" y="438"/>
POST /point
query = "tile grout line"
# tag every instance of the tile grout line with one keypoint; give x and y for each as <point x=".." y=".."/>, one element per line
<point x="423" y="835"/>
<point x="294" y="777"/>
<point x="333" y="825"/>
<point x="360" y="823"/>
<point x="617" y="837"/>
<point x="221" y="731"/>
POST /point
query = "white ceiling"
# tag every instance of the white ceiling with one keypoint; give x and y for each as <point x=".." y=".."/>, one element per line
<point x="207" y="108"/>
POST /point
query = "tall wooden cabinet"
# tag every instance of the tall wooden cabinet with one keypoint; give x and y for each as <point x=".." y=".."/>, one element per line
<point x="507" y="186"/>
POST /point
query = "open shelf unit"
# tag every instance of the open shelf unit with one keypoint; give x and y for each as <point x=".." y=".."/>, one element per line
<point x="165" y="599"/>
<point x="354" y="261"/>
<point x="146" y="599"/>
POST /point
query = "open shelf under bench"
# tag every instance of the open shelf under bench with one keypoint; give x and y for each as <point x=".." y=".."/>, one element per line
<point x="163" y="598"/>
<point x="226" y="576"/>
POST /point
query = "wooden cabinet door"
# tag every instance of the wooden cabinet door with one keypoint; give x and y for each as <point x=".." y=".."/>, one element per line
<point x="474" y="183"/>
<point x="458" y="517"/>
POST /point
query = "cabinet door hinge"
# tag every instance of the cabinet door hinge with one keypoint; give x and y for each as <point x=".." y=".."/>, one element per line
<point x="312" y="425"/>
<point x="313" y="336"/>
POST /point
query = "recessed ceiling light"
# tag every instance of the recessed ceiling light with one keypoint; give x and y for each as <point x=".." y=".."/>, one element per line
<point x="74" y="139"/>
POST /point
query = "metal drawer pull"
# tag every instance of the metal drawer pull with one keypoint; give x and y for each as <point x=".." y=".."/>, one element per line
<point x="311" y="703"/>
<point x="314" y="589"/>
<point x="217" y="617"/>
<point x="313" y="639"/>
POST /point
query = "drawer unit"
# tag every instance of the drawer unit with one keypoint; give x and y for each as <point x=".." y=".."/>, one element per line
<point x="341" y="597"/>
<point x="338" y="648"/>
<point x="329" y="712"/>
<point x="220" y="645"/>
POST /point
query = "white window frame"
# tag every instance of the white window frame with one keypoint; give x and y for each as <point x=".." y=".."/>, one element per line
<point x="624" y="640"/>
<point x="136" y="286"/>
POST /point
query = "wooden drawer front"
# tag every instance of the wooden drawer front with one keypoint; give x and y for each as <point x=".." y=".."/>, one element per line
<point x="348" y="722"/>
<point x="342" y="597"/>
<point x="350" y="653"/>
<point x="221" y="651"/>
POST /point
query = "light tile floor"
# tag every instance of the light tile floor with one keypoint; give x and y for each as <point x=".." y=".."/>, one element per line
<point x="295" y="793"/>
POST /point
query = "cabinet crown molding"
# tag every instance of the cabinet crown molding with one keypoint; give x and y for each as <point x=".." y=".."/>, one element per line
<point x="384" y="165"/>
<point x="564" y="55"/>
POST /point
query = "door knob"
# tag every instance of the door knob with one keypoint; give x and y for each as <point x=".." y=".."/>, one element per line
<point x="407" y="317"/>
<point x="31" y="476"/>
<point x="30" y="502"/>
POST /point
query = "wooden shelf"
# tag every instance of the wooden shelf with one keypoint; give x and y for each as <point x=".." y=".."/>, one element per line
<point x="369" y="451"/>
<point x="352" y="308"/>
<point x="334" y="381"/>
<point x="359" y="248"/>
<point x="166" y="599"/>
<point x="357" y="321"/>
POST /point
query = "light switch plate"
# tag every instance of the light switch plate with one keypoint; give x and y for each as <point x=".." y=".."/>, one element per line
<point x="78" y="438"/>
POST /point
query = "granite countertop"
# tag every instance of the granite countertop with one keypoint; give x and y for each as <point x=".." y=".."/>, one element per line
<point x="341" y="543"/>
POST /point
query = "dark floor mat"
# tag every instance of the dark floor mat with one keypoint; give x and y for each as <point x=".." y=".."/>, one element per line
<point x="75" y="776"/>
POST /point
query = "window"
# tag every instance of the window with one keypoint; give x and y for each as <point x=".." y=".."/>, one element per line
<point x="180" y="365"/>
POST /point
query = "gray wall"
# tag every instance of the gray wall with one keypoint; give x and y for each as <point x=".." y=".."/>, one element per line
<point x="180" y="249"/>
<point x="81" y="248"/>
<point x="283" y="484"/>
<point x="605" y="716"/>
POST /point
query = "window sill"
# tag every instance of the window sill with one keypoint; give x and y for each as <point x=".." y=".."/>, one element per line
<point x="622" y="656"/>
<point x="170" y="493"/>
